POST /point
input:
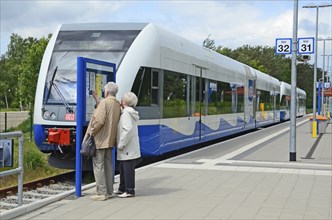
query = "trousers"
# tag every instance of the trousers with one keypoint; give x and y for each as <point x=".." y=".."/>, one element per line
<point x="127" y="176"/>
<point x="103" y="171"/>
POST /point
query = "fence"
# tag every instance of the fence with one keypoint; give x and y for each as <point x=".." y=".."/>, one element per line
<point x="20" y="169"/>
<point x="12" y="119"/>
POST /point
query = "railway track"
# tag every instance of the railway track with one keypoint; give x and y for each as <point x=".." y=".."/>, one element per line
<point x="37" y="190"/>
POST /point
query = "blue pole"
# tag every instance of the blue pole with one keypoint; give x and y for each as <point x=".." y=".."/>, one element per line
<point x="79" y="124"/>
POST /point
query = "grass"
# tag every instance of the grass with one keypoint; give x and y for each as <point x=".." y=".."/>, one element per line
<point x="9" y="109"/>
<point x="35" y="162"/>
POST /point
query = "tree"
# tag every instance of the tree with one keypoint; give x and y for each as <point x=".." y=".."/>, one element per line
<point x="29" y="70"/>
<point x="4" y="83"/>
<point x="19" y="70"/>
<point x="17" y="49"/>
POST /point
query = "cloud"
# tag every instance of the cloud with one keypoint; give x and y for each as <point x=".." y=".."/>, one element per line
<point x="37" y="18"/>
<point x="231" y="23"/>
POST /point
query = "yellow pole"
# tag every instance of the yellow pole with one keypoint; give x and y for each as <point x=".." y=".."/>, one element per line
<point x="314" y="129"/>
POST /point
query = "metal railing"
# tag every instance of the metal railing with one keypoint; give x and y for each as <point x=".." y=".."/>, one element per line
<point x="20" y="169"/>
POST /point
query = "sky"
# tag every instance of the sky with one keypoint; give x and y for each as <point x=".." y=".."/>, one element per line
<point x="230" y="23"/>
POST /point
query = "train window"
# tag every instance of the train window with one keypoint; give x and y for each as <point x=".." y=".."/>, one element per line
<point x="101" y="45"/>
<point x="221" y="99"/>
<point x="226" y="98"/>
<point x="200" y="96"/>
<point x="278" y="101"/>
<point x="240" y="98"/>
<point x="95" y="40"/>
<point x="285" y="102"/>
<point x="146" y="87"/>
<point x="147" y="90"/>
<point x="212" y="98"/>
<point x="175" y="95"/>
<point x="155" y="87"/>
<point x="155" y="79"/>
<point x="265" y="100"/>
<point x="142" y="87"/>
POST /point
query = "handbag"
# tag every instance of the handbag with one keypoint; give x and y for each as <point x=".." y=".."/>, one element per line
<point x="88" y="148"/>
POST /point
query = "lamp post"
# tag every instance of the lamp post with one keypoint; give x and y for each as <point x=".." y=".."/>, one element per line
<point x="328" y="72"/>
<point x="328" y="79"/>
<point x="314" y="122"/>
<point x="292" y="148"/>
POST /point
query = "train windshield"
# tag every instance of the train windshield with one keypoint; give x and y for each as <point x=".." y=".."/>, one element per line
<point x="109" y="46"/>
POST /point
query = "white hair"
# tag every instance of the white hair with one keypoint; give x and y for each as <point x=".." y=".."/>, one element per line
<point x="112" y="88"/>
<point x="130" y="99"/>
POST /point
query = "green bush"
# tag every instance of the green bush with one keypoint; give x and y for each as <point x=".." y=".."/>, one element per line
<point x="33" y="160"/>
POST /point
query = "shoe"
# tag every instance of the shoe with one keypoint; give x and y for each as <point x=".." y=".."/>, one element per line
<point x="117" y="192"/>
<point x="126" y="195"/>
<point x="100" y="197"/>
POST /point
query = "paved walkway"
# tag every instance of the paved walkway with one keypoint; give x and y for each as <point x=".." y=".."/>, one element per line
<point x="249" y="177"/>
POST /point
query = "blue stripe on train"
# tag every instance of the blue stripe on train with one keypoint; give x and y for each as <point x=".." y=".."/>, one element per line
<point x="40" y="138"/>
<point x="160" y="139"/>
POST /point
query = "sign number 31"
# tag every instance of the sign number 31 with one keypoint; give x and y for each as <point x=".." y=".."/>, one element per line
<point x="306" y="45"/>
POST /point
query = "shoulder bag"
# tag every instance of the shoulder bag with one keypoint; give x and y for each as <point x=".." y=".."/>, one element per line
<point x="88" y="148"/>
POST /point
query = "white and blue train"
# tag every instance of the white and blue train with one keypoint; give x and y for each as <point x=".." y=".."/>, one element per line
<point x="187" y="94"/>
<point x="285" y="100"/>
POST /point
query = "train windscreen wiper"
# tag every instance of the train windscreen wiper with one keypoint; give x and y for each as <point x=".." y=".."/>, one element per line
<point x="52" y="84"/>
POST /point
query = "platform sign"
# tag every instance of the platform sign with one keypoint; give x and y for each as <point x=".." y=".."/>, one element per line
<point x="283" y="46"/>
<point x="92" y="76"/>
<point x="306" y="45"/>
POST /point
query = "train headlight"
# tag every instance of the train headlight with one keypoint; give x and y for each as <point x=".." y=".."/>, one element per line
<point x="53" y="116"/>
<point x="46" y="115"/>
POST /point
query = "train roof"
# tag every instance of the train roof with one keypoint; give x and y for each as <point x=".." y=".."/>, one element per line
<point x="286" y="89"/>
<point x="174" y="47"/>
<point x="103" y="26"/>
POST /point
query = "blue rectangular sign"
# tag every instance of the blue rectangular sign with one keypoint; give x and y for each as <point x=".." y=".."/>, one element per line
<point x="283" y="46"/>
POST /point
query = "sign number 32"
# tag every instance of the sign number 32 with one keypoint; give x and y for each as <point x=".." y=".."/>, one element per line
<point x="284" y="46"/>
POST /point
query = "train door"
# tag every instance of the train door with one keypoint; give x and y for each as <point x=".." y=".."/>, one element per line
<point x="198" y="103"/>
<point x="275" y="106"/>
<point x="250" y="99"/>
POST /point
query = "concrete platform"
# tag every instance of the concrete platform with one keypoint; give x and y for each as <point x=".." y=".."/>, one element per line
<point x="249" y="177"/>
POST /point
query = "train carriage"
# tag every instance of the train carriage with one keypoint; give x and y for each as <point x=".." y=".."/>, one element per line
<point x="187" y="94"/>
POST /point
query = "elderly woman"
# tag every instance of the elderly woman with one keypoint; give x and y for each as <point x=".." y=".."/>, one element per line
<point x="103" y="127"/>
<point x="128" y="145"/>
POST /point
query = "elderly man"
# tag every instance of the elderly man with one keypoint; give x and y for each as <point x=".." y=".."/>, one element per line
<point x="103" y="127"/>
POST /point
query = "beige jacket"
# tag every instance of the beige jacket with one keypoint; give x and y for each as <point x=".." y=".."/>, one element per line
<point x="104" y="122"/>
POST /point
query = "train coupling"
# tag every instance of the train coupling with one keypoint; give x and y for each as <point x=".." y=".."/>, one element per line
<point x="60" y="136"/>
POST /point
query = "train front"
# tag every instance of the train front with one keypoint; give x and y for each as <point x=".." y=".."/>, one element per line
<point x="55" y="102"/>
